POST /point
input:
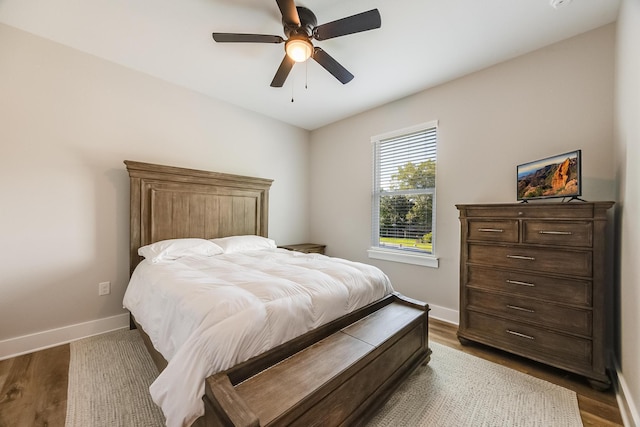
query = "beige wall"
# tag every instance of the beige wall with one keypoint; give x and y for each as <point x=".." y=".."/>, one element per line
<point x="628" y="159"/>
<point x="68" y="120"/>
<point x="557" y="99"/>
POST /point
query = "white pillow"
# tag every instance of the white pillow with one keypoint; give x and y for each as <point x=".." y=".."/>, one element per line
<point x="175" y="248"/>
<point x="244" y="243"/>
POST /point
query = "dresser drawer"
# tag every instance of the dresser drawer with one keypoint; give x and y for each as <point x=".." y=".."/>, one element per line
<point x="530" y="341"/>
<point x="564" y="290"/>
<point x="566" y="319"/>
<point x="577" y="263"/>
<point x="539" y="210"/>
<point x="563" y="233"/>
<point x="493" y="230"/>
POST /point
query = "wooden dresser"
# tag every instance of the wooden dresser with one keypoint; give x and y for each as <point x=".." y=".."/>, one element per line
<point x="532" y="282"/>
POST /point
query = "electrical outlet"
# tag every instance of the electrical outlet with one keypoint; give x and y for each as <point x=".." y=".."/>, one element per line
<point x="104" y="288"/>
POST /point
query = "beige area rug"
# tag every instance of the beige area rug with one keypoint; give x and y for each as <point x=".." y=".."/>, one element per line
<point x="457" y="389"/>
<point x="109" y="377"/>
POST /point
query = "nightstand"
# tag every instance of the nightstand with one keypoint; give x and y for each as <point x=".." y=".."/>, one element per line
<point x="307" y="248"/>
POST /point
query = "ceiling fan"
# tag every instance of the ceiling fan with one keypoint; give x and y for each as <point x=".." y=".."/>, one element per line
<point x="300" y="27"/>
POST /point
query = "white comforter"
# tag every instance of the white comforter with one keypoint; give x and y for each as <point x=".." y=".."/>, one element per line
<point x="206" y="314"/>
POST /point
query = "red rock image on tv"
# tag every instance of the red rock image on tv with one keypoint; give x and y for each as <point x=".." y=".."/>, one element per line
<point x="554" y="180"/>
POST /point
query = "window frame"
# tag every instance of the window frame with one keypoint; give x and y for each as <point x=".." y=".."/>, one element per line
<point x="390" y="254"/>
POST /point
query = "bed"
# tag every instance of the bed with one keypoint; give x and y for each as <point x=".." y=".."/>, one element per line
<point x="336" y="371"/>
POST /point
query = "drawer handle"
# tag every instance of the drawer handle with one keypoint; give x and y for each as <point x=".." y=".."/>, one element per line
<point x="491" y="230"/>
<point x="515" y="307"/>
<point x="528" y="258"/>
<point x="556" y="233"/>
<point x="518" y="334"/>
<point x="517" y="282"/>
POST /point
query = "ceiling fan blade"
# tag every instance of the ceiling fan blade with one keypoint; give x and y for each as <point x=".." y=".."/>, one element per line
<point x="289" y="12"/>
<point x="332" y="66"/>
<point x="246" y="38"/>
<point x="364" y="21"/>
<point x="283" y="71"/>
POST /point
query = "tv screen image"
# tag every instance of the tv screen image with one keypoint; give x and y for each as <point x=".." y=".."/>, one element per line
<point x="556" y="176"/>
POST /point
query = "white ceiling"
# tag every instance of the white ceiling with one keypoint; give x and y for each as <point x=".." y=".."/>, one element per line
<point x="422" y="43"/>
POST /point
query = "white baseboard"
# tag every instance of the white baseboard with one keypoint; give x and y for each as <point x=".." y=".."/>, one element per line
<point x="445" y="314"/>
<point x="628" y="408"/>
<point x="53" y="337"/>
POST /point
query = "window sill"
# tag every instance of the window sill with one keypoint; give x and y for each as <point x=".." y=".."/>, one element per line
<point x="407" y="258"/>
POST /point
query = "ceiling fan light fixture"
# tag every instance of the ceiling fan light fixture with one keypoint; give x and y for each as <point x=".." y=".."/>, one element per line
<point x="301" y="28"/>
<point x="298" y="49"/>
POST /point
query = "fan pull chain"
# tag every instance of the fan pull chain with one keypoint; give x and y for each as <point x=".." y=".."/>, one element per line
<point x="306" y="80"/>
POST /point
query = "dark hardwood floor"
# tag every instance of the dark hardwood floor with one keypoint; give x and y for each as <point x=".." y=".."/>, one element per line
<point x="33" y="387"/>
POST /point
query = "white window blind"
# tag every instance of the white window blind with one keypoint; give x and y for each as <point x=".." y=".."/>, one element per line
<point x="403" y="208"/>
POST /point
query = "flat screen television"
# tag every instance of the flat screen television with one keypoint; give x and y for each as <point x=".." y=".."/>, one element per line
<point x="555" y="176"/>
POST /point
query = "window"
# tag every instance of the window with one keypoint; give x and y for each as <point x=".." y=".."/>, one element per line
<point x="404" y="193"/>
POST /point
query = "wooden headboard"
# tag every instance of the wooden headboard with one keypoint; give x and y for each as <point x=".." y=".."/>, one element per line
<point x="169" y="202"/>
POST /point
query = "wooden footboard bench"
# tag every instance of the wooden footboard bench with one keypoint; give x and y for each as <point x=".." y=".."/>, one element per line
<point x="340" y="380"/>
<point x="336" y="375"/>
